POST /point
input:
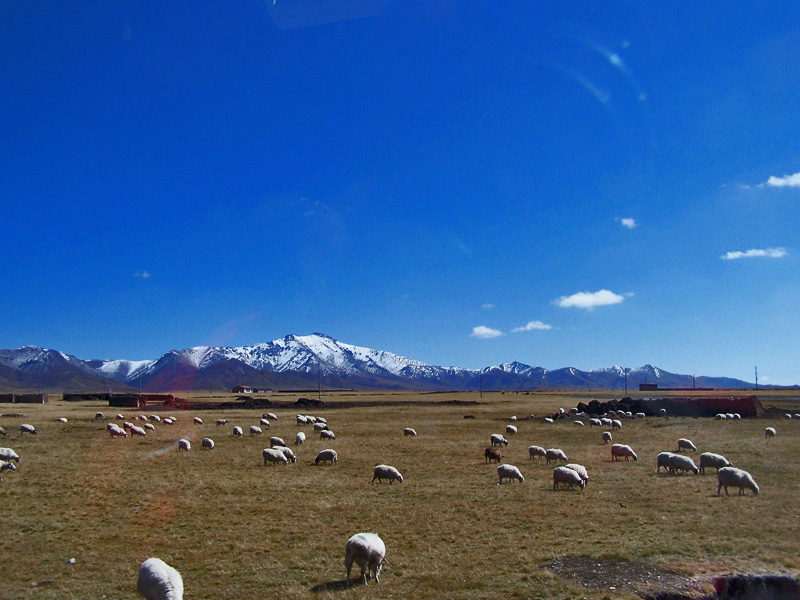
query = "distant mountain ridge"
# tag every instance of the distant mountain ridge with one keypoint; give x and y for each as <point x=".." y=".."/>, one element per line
<point x="304" y="362"/>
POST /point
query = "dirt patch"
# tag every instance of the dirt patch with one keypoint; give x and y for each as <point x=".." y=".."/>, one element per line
<point x="645" y="580"/>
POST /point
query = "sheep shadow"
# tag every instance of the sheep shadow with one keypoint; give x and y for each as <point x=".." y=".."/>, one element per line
<point x="334" y="586"/>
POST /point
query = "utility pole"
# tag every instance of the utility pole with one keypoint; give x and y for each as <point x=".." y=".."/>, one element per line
<point x="756" y="376"/>
<point x="625" y="371"/>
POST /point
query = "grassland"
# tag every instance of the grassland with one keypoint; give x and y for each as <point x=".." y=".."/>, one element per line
<point x="237" y="529"/>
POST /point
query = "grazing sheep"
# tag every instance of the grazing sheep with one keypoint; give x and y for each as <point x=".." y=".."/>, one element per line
<point x="327" y="434"/>
<point x="62" y="419"/>
<point x="607" y="437"/>
<point x="270" y="416"/>
<point x="115" y="430"/>
<point x="547" y="420"/>
<point x="184" y="444"/>
<point x="237" y="431"/>
<point x="684" y="464"/>
<point x="197" y="421"/>
<point x="607" y="422"/>
<point x="578" y="423"/>
<point x="618" y="450"/>
<point x="580" y="470"/>
<point x="8" y="454"/>
<point x="6" y="465"/>
<point x="320" y="426"/>
<point x="511" y="429"/>
<point x="301" y="420"/>
<point x="616" y="424"/>
<point x="662" y="460"/>
<point x="509" y="472"/>
<point x="709" y="459"/>
<point x="149" y="426"/>
<point x="169" y="421"/>
<point x="2" y="432"/>
<point x="595" y="422"/>
<point x="27" y="428"/>
<point x="567" y="476"/>
<point x="287" y="452"/>
<point x="98" y="415"/>
<point x="662" y="412"/>
<point x="686" y="444"/>
<point x="276" y="441"/>
<point x="158" y="581"/>
<point x="264" y="423"/>
<point x="207" y="443"/>
<point x="536" y="452"/>
<point x="640" y="415"/>
<point x="737" y="417"/>
<point x="127" y="425"/>
<point x="368" y="551"/>
<point x="554" y="455"/>
<point x="409" y="431"/>
<point x="322" y="420"/>
<point x="719" y="417"/>
<point x="136" y="430"/>
<point x="120" y="417"/>
<point x="141" y="418"/>
<point x="382" y="472"/>
<point x="222" y="422"/>
<point x="255" y="430"/>
<point x="769" y="432"/>
<point x="496" y="439"/>
<point x="731" y="476"/>
<point x="155" y="418"/>
<point x="310" y="419"/>
<point x="299" y="438"/>
<point x="326" y="455"/>
<point x="274" y="456"/>
<point x="492" y="454"/>
<point x="512" y="418"/>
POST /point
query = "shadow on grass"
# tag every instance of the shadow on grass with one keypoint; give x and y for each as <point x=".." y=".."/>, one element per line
<point x="333" y="586"/>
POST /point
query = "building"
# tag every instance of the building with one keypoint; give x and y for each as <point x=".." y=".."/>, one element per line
<point x="243" y="389"/>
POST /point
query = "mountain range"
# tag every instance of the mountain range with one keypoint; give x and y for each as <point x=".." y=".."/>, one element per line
<point x="304" y="362"/>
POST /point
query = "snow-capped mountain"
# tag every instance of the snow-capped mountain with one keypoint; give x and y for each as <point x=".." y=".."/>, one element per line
<point x="303" y="361"/>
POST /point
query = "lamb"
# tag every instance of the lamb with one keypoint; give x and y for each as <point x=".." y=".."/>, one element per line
<point x="6" y="465"/>
<point x="326" y="455"/>
<point x="509" y="472"/>
<point x="276" y="441"/>
<point x="158" y="581"/>
<point x="492" y="454"/>
<point x="9" y="454"/>
<point x="27" y="428"/>
<point x="679" y="462"/>
<point x="274" y="456"/>
<point x="616" y="424"/>
<point x="593" y="422"/>
<point x="222" y="422"/>
<point x="255" y="430"/>
<point x="511" y="429"/>
<point x="327" y="434"/>
<point x="536" y="451"/>
<point x="731" y="476"/>
<point x="618" y="450"/>
<point x="368" y="551"/>
<point x="709" y="459"/>
<point x="237" y="431"/>
<point x="207" y="443"/>
<point x="382" y="472"/>
<point x="497" y="439"/>
<point x="554" y="455"/>
<point x="409" y="431"/>
<point x="687" y="444"/>
<point x="184" y="444"/>
<point x="197" y="421"/>
<point x="662" y="460"/>
<point x="264" y="423"/>
<point x="287" y="452"/>
<point x="567" y="476"/>
<point x="769" y="432"/>
<point x="580" y="470"/>
<point x="607" y="437"/>
<point x="299" y="438"/>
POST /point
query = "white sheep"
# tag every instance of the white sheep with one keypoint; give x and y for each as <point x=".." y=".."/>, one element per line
<point x="6" y="465"/>
<point x="158" y="581"/>
<point x="197" y="421"/>
<point x="116" y="431"/>
<point x="580" y="470"/>
<point x="141" y="418"/>
<point x="578" y="423"/>
<point x="207" y="443"/>
<point x="27" y="428"/>
<point x="155" y="418"/>
<point x="498" y="439"/>
<point x="512" y="418"/>
<point x="769" y="432"/>
<point x="686" y="444"/>
<point x="299" y="438"/>
<point x="547" y="420"/>
<point x="310" y="419"/>
<point x="169" y="420"/>
<point x="136" y="430"/>
<point x="320" y="426"/>
<point x="327" y="434"/>
<point x="255" y="430"/>
<point x="2" y="432"/>
<point x="717" y="461"/>
<point x="274" y="456"/>
<point x="301" y="420"/>
<point x="276" y="441"/>
<point x="222" y="422"/>
<point x="184" y="444"/>
<point x="8" y="454"/>
<point x="607" y="437"/>
<point x="616" y="424"/>
<point x="237" y="431"/>
<point x="382" y="472"/>
<point x="62" y="419"/>
<point x="554" y="455"/>
<point x="662" y="412"/>
<point x="593" y="422"/>
<point x="567" y="476"/>
<point x="325" y="456"/>
<point x="321" y="420"/>
<point x="720" y="417"/>
<point x="731" y="476"/>
<point x="536" y="451"/>
<point x="737" y="417"/>
<point x="408" y="431"/>
<point x="509" y="472"/>
<point x="640" y="415"/>
<point x="606" y="421"/>
<point x="120" y="417"/>
<point x="662" y="460"/>
<point x="511" y="429"/>
<point x="287" y="452"/>
<point x="622" y="450"/>
<point x="149" y="427"/>
<point x="368" y="551"/>
<point x="270" y="416"/>
<point x="98" y="415"/>
<point x="264" y="423"/>
<point x="679" y="462"/>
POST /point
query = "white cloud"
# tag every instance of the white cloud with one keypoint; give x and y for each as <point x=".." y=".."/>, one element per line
<point x="142" y="274"/>
<point x="628" y="222"/>
<point x="484" y="333"/>
<point x="487" y="306"/>
<point x="531" y="326"/>
<point x="589" y="300"/>
<point x="785" y="181"/>
<point x="755" y="253"/>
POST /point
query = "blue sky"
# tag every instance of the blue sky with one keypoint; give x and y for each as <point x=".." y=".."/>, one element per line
<point x="462" y="183"/>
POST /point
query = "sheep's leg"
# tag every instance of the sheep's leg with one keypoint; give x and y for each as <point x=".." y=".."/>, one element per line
<point x="348" y="563"/>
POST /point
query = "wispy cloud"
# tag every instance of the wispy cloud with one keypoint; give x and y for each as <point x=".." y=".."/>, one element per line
<point x="589" y="300"/>
<point x="628" y="222"/>
<point x="755" y="253"/>
<point x="785" y="181"/>
<point x="532" y="326"/>
<point x="484" y="333"/>
<point x="487" y="306"/>
<point x="142" y="274"/>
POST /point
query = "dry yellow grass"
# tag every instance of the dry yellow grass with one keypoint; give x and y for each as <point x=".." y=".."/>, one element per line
<point x="235" y="528"/>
